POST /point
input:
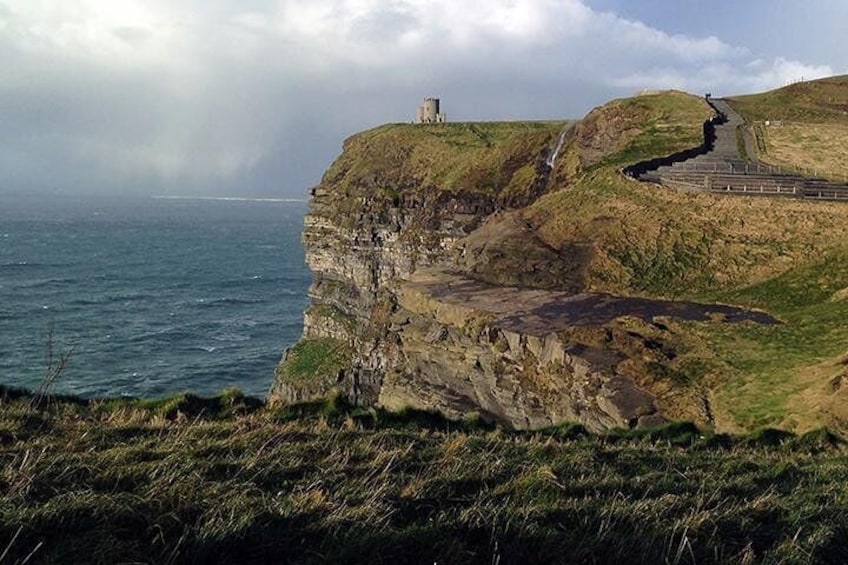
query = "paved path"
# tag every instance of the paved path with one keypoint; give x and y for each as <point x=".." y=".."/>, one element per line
<point x="726" y="146"/>
<point x="724" y="170"/>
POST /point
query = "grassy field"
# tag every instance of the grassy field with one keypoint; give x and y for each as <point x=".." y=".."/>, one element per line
<point x="785" y="257"/>
<point x="817" y="101"/>
<point x="789" y="375"/>
<point x="189" y="480"/>
<point x="812" y="149"/>
<point x="813" y="130"/>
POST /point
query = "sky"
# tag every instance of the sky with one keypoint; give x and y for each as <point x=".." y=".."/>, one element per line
<point x="255" y="97"/>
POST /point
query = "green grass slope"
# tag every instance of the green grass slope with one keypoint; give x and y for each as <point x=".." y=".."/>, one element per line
<point x="189" y="480"/>
<point x="816" y="101"/>
<point x="784" y="256"/>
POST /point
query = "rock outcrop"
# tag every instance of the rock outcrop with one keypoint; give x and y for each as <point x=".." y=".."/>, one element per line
<point x="378" y="215"/>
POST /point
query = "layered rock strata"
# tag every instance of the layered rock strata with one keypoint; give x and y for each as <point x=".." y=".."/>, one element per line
<point x="368" y="229"/>
<point x="444" y="298"/>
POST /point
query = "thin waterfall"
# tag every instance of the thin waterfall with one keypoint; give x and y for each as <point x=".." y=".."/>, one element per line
<point x="560" y="141"/>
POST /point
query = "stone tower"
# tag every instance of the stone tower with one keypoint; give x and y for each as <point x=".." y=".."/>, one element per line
<point x="429" y="112"/>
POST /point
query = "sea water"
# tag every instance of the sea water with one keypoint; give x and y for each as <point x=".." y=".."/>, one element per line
<point x="149" y="296"/>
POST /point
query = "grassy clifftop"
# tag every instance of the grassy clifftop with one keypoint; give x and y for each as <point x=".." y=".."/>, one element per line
<point x="485" y="158"/>
<point x="497" y="158"/>
<point x="630" y="130"/>
<point x="617" y="235"/>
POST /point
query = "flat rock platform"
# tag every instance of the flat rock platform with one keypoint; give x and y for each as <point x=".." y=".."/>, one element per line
<point x="541" y="312"/>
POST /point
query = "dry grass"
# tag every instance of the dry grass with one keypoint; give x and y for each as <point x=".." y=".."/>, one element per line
<point x="814" y="115"/>
<point x="665" y="243"/>
<point x="111" y="482"/>
<point x="823" y="397"/>
<point x="814" y="149"/>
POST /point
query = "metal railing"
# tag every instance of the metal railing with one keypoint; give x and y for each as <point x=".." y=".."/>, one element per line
<point x="790" y="191"/>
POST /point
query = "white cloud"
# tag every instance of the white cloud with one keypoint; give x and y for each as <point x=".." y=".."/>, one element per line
<point x="725" y="77"/>
<point x="783" y="71"/>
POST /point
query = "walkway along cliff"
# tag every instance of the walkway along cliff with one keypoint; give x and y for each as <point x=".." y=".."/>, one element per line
<point x="719" y="166"/>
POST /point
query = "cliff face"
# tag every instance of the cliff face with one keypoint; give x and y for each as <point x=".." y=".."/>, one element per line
<point x="357" y="261"/>
<point x="430" y="287"/>
<point x="385" y="209"/>
<point x="470" y="347"/>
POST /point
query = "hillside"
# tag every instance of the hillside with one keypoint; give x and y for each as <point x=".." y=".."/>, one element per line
<point x="822" y="101"/>
<point x="402" y="218"/>
<point x="807" y="126"/>
<point x="784" y="257"/>
<point x="223" y="480"/>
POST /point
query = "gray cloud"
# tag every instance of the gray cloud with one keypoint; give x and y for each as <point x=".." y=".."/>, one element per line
<point x="256" y="97"/>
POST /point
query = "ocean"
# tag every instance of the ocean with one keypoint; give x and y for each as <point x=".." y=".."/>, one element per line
<point x="149" y="296"/>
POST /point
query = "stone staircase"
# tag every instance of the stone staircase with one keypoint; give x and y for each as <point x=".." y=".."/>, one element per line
<point x="719" y="168"/>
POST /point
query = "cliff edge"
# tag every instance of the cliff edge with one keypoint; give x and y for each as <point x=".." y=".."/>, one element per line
<point x="461" y="268"/>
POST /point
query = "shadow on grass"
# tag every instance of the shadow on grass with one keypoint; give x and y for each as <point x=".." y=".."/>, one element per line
<point x="586" y="535"/>
<point x="336" y="410"/>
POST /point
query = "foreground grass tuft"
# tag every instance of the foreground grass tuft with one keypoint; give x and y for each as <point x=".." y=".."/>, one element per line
<point x="193" y="480"/>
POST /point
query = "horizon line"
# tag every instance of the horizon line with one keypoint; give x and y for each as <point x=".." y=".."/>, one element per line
<point x="228" y="198"/>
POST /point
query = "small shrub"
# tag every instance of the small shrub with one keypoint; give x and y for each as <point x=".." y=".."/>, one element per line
<point x="768" y="437"/>
<point x="312" y="359"/>
<point x="568" y="431"/>
<point x="819" y="440"/>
